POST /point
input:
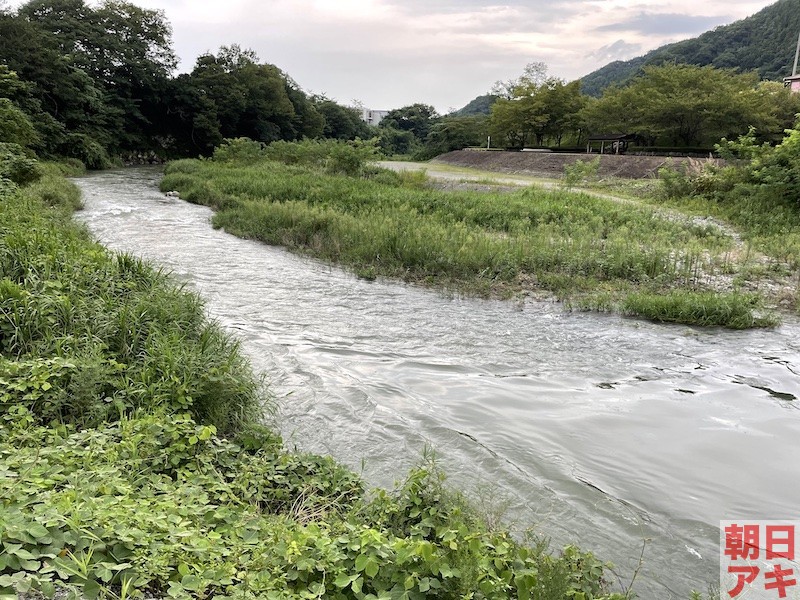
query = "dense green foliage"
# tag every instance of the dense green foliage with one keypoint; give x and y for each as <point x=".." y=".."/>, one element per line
<point x="672" y="106"/>
<point x="225" y="521"/>
<point x="382" y="224"/>
<point x="114" y="480"/>
<point x="342" y="122"/>
<point x="683" y="105"/>
<point x="94" y="76"/>
<point x="536" y="108"/>
<point x="764" y="43"/>
<point x="757" y="190"/>
<point x="95" y="82"/>
<point x="455" y="133"/>
<point x="232" y="94"/>
<point x="405" y="130"/>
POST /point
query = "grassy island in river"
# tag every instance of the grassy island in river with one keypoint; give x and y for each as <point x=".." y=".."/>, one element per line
<point x="594" y="252"/>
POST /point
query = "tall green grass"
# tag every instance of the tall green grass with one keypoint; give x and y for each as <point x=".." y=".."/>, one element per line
<point x="568" y="243"/>
<point x="87" y="335"/>
<point x="734" y="310"/>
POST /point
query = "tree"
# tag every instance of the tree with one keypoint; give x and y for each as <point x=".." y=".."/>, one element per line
<point x="684" y="105"/>
<point x="535" y="107"/>
<point x="415" y="118"/>
<point x="231" y="95"/>
<point x="95" y="79"/>
<point x="126" y="52"/>
<point x="533" y="75"/>
<point x="393" y="141"/>
<point x="785" y="108"/>
<point x="341" y="122"/>
<point x="57" y="95"/>
<point x="307" y="122"/>
<point x="455" y="133"/>
<point x="192" y="120"/>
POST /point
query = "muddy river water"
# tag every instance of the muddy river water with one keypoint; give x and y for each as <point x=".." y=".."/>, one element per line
<point x="589" y="428"/>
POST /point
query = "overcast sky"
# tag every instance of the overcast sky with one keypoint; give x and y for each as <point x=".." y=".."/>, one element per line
<point x="391" y="53"/>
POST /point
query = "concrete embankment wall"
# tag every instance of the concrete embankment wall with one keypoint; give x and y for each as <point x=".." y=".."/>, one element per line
<point x="551" y="164"/>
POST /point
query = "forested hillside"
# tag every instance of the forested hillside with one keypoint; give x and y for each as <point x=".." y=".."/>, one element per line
<point x="764" y="42"/>
<point x="482" y="105"/>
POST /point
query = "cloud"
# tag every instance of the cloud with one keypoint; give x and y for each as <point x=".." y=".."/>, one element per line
<point x="619" y="50"/>
<point x="390" y="53"/>
<point x="666" y="24"/>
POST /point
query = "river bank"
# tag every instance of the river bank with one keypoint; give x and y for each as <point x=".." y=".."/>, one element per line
<point x="134" y="464"/>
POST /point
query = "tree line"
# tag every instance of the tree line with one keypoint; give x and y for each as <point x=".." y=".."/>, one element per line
<point x="671" y="106"/>
<point x="97" y="81"/>
<point x="764" y="43"/>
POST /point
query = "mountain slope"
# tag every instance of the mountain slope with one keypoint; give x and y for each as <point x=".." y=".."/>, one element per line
<point x="482" y="105"/>
<point x="764" y="42"/>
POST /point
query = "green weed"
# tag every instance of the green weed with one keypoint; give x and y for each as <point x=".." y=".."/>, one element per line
<point x="708" y="309"/>
<point x="581" y="172"/>
<point x="86" y="335"/>
<point x="226" y="521"/>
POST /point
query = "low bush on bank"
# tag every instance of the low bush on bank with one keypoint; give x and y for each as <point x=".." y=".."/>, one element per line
<point x="333" y="156"/>
<point x="382" y="224"/>
<point x="757" y="191"/>
<point x="17" y="166"/>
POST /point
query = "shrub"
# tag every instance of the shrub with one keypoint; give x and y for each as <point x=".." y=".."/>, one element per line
<point x="309" y="153"/>
<point x="581" y="171"/>
<point x="86" y="149"/>
<point x="15" y="126"/>
<point x="350" y="158"/>
<point x="335" y="156"/>
<point x="16" y="165"/>
<point x="242" y="150"/>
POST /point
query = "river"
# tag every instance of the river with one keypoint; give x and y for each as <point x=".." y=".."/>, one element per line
<point x="589" y="428"/>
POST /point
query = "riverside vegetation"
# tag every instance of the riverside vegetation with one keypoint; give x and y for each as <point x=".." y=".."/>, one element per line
<point x="324" y="199"/>
<point x="133" y="464"/>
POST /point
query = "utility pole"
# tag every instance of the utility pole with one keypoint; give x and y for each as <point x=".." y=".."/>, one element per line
<point x="796" y="56"/>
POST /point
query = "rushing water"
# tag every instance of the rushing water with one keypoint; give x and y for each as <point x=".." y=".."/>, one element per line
<point x="594" y="429"/>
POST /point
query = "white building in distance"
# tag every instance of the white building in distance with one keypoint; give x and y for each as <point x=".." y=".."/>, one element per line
<point x="373" y="117"/>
